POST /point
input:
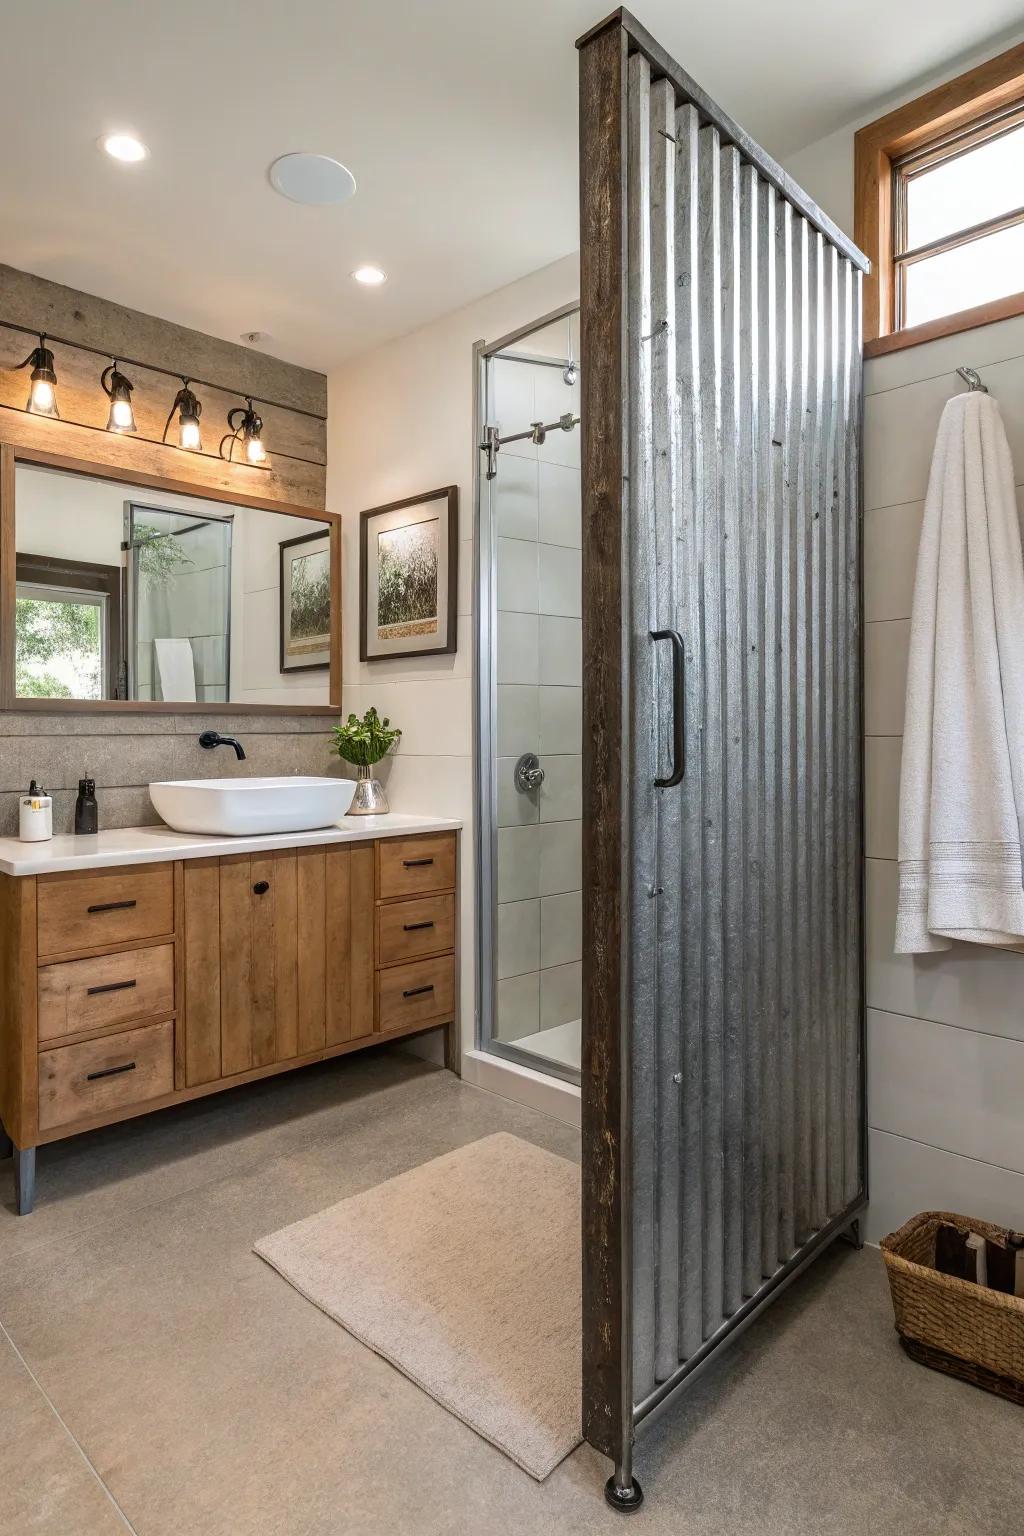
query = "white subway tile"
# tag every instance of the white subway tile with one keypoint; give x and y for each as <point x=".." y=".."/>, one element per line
<point x="561" y="929"/>
<point x="518" y="1006"/>
<point x="561" y="719"/>
<point x="560" y="509"/>
<point x="907" y="1177"/>
<point x="882" y="796"/>
<point x="561" y="581"/>
<point x="954" y="1088"/>
<point x="513" y="493"/>
<point x="561" y="651"/>
<point x="561" y="794"/>
<point x="561" y="995"/>
<point x="987" y="344"/>
<point x="967" y="985"/>
<point x="518" y="937"/>
<point x="886" y="650"/>
<point x="561" y="857"/>
<point x="891" y="537"/>
<point x="517" y="660"/>
<point x="518" y="719"/>
<point x="517" y="576"/>
<point x="519" y="862"/>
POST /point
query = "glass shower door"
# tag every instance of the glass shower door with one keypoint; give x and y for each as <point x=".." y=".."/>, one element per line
<point x="179" y="605"/>
<point x="531" y="698"/>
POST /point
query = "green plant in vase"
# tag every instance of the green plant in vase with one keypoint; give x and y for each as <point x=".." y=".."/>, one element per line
<point x="363" y="743"/>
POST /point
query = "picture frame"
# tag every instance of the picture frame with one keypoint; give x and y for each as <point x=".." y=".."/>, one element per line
<point x="409" y="577"/>
<point x="304" y="606"/>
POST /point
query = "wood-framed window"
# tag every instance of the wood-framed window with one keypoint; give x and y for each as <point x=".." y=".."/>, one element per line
<point x="939" y="187"/>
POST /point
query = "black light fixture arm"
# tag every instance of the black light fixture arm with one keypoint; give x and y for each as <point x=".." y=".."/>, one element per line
<point x="183" y="400"/>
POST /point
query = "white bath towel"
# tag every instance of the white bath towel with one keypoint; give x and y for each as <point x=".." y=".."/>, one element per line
<point x="962" y="780"/>
<point x="177" y="668"/>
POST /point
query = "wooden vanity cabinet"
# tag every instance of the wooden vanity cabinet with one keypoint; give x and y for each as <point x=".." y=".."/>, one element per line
<point x="125" y="990"/>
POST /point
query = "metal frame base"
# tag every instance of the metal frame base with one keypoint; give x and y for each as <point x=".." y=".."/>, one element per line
<point x="624" y="1497"/>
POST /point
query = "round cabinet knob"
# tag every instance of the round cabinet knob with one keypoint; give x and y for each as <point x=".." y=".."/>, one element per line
<point x="261" y="887"/>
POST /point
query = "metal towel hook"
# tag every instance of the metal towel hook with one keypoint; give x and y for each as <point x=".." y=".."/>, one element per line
<point x="972" y="378"/>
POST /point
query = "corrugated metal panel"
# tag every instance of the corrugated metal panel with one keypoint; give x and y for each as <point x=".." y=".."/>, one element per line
<point x="743" y="536"/>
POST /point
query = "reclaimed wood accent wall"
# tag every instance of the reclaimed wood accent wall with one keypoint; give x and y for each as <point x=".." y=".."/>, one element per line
<point x="295" y="438"/>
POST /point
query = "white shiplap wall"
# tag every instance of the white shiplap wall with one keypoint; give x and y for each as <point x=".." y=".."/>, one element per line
<point x="945" y="1031"/>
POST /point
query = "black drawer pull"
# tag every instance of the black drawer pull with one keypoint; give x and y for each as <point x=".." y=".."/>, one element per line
<point x="111" y="906"/>
<point x="261" y="887"/>
<point x="416" y="991"/>
<point x="110" y="986"/>
<point x="415" y="927"/>
<point x="94" y="1077"/>
<point x="416" y="863"/>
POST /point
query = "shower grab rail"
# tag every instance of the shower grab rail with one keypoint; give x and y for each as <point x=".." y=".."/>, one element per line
<point x="537" y="433"/>
<point x="678" y="706"/>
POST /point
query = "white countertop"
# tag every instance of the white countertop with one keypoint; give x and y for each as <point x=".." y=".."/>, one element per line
<point x="153" y="845"/>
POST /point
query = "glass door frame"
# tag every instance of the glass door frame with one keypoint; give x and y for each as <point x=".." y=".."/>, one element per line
<point x="485" y="716"/>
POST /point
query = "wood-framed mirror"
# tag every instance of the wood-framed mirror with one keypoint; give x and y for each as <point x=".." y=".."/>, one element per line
<point x="122" y="591"/>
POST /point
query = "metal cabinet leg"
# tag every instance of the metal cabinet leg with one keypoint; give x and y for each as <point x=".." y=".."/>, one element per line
<point x="25" y="1179"/>
<point x="854" y="1234"/>
<point x="622" y="1491"/>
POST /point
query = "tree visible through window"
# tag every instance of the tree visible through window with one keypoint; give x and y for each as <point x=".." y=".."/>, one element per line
<point x="58" y="646"/>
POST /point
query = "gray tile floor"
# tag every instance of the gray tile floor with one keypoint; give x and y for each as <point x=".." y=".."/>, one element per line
<point x="156" y="1377"/>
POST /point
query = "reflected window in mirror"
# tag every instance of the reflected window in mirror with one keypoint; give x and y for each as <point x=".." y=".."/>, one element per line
<point x="133" y="594"/>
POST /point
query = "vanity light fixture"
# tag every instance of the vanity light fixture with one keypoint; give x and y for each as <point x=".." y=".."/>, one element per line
<point x="118" y="391"/>
<point x="42" y="389"/>
<point x="247" y="424"/>
<point x="189" y="411"/>
<point x="370" y="276"/>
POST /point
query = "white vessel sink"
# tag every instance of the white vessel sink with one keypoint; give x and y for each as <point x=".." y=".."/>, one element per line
<point x="249" y="807"/>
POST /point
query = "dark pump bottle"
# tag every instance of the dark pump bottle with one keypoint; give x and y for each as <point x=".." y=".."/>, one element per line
<point x="86" y="809"/>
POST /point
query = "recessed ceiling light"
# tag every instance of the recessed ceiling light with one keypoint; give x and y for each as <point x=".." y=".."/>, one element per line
<point x="371" y="276"/>
<point x="125" y="147"/>
<point x="315" y="179"/>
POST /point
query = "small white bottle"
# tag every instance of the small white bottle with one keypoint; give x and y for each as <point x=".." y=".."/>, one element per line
<point x="35" y="816"/>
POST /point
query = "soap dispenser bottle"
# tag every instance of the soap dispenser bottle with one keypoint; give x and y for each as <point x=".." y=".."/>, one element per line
<point x="35" y="815"/>
<point x="86" y="810"/>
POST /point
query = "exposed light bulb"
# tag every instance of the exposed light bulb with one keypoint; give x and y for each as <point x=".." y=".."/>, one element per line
<point x="255" y="451"/>
<point x="42" y="386"/>
<point x="119" y="391"/>
<point x="246" y="425"/>
<point x="370" y="276"/>
<point x="125" y="147"/>
<point x="189" y="411"/>
<point x="42" y="398"/>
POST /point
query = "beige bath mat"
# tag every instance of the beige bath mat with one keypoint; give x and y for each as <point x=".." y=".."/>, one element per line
<point x="465" y="1274"/>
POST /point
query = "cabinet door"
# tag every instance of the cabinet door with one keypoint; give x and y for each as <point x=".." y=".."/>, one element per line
<point x="278" y="957"/>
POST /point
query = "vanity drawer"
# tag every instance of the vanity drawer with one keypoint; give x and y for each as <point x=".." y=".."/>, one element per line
<point x="408" y="866"/>
<point x="88" y="911"/>
<point x="423" y="990"/>
<point x="80" y="995"/>
<point x="421" y="926"/>
<point x="102" y="1076"/>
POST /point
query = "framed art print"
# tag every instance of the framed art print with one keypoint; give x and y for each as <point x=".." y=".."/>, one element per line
<point x="408" y="576"/>
<point x="306" y="602"/>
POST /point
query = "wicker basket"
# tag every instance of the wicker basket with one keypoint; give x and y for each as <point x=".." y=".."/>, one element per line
<point x="953" y="1325"/>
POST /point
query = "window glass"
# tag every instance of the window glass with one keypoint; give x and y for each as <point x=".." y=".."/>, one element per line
<point x="969" y="189"/>
<point x="988" y="268"/>
<point x="59" y="645"/>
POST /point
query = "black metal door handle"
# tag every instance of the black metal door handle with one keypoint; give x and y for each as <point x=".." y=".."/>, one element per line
<point x="261" y="887"/>
<point x="415" y="927"/>
<point x="678" y="705"/>
<point x="416" y="863"/>
<point x="111" y="906"/>
<point x="110" y="986"/>
<point x="417" y="991"/>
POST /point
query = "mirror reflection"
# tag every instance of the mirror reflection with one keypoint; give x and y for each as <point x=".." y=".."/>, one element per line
<point x="127" y="593"/>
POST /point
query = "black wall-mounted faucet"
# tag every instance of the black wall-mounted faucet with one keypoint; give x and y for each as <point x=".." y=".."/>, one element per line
<point x="211" y="739"/>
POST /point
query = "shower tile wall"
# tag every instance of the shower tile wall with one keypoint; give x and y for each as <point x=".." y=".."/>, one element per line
<point x="536" y="501"/>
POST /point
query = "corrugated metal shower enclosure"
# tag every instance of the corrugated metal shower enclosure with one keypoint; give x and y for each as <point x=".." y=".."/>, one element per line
<point x="723" y="1055"/>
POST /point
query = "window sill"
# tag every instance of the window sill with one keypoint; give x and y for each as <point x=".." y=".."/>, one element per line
<point x="946" y="325"/>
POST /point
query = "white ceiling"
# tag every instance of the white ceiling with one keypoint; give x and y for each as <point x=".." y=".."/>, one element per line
<point x="457" y="117"/>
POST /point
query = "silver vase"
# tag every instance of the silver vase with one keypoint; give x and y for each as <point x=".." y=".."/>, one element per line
<point x="369" y="798"/>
